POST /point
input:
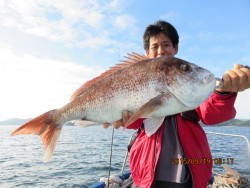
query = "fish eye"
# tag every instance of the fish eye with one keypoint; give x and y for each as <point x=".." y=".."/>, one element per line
<point x="186" y="67"/>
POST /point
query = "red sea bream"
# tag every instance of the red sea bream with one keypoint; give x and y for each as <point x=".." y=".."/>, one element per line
<point x="150" y="88"/>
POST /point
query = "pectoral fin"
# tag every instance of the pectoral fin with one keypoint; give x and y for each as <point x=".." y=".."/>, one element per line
<point x="151" y="125"/>
<point x="146" y="109"/>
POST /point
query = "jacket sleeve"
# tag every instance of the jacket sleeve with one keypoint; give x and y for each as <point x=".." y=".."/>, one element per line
<point x="217" y="108"/>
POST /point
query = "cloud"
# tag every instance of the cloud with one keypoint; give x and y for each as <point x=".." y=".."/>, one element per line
<point x="70" y="21"/>
<point x="117" y="5"/>
<point x="124" y="22"/>
<point x="31" y="85"/>
<point x="95" y="42"/>
<point x="242" y="104"/>
<point x="39" y="17"/>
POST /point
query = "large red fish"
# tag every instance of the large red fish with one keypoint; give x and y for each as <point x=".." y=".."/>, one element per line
<point x="150" y="88"/>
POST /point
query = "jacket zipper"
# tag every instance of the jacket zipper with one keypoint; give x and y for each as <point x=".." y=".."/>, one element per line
<point x="175" y="122"/>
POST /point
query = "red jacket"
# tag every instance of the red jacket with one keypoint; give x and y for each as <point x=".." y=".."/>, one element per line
<point x="145" y="152"/>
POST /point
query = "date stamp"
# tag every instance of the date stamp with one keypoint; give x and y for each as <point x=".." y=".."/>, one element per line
<point x="198" y="161"/>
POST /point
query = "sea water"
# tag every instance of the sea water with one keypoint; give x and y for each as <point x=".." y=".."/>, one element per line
<point x="82" y="155"/>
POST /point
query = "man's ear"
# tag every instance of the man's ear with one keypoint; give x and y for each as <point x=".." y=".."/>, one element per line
<point x="147" y="53"/>
<point x="176" y="48"/>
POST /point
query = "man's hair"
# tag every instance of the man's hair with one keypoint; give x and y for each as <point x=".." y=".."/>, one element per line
<point x="160" y="27"/>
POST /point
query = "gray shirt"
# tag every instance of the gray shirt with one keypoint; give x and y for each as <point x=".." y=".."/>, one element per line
<point x="171" y="150"/>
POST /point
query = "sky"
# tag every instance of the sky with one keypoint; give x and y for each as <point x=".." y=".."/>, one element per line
<point x="48" y="49"/>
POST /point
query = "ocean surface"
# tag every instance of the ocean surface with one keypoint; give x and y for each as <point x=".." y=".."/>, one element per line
<point x="82" y="156"/>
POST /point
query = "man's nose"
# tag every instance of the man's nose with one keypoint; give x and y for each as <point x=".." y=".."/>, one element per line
<point x="160" y="51"/>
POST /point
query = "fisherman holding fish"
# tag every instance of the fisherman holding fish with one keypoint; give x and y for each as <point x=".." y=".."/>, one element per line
<point x="177" y="155"/>
<point x="164" y="98"/>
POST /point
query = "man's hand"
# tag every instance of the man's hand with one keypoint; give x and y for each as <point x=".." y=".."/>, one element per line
<point x="125" y="117"/>
<point x="236" y="79"/>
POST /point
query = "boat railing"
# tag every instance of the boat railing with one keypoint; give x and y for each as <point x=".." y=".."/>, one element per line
<point x="232" y="135"/>
<point x="131" y="140"/>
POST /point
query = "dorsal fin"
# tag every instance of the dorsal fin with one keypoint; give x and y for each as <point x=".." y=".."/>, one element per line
<point x="129" y="60"/>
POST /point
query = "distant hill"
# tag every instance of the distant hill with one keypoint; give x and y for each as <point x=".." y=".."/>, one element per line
<point x="234" y="122"/>
<point x="14" y="121"/>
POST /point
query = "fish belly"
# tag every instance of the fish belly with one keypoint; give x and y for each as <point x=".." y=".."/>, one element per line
<point x="109" y="109"/>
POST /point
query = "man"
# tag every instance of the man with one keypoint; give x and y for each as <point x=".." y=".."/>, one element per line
<point x="178" y="154"/>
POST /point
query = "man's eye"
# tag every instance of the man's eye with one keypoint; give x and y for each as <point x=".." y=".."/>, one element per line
<point x="186" y="67"/>
<point x="166" y="45"/>
<point x="154" y="47"/>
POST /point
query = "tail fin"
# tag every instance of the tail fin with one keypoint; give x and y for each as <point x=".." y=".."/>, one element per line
<point x="45" y="126"/>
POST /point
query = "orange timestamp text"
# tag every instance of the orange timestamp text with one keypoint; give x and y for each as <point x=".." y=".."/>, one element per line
<point x="198" y="161"/>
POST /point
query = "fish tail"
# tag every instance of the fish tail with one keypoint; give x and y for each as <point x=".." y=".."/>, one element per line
<point x="46" y="127"/>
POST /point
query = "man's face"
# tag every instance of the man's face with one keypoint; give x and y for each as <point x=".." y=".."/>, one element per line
<point x="161" y="45"/>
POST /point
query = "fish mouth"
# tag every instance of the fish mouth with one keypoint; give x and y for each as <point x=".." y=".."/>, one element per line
<point x="208" y="79"/>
